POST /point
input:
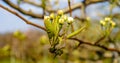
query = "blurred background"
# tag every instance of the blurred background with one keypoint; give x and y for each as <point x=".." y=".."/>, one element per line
<point x="24" y="43"/>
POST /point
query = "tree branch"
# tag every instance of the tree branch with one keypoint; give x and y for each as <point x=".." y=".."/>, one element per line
<point x="22" y="10"/>
<point x="100" y="39"/>
<point x="32" y="3"/>
<point x="49" y="9"/>
<point x="98" y="45"/>
<point x="69" y="5"/>
<point x="65" y="10"/>
<point x="88" y="2"/>
<point x="25" y="20"/>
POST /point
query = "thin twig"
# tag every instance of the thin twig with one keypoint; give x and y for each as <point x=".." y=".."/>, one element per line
<point x="83" y="11"/>
<point x="32" y="3"/>
<point x="25" y="20"/>
<point x="69" y="5"/>
<point x="100" y="39"/>
<point x="98" y="45"/>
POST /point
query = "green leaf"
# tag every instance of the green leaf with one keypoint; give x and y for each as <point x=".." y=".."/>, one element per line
<point x="76" y="32"/>
<point x="79" y="30"/>
<point x="49" y="28"/>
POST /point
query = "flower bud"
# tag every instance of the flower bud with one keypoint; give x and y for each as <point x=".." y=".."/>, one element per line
<point x="60" y="12"/>
<point x="64" y="17"/>
<point x="61" y="21"/>
<point x="112" y="23"/>
<point x="107" y="19"/>
<point x="70" y="20"/>
<point x="52" y="15"/>
<point x="46" y="17"/>
<point x="102" y="22"/>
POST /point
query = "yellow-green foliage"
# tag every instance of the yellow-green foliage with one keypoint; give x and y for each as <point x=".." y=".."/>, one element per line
<point x="107" y="25"/>
<point x="19" y="35"/>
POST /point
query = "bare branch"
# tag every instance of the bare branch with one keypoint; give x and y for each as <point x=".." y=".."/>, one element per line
<point x="22" y="10"/>
<point x="66" y="10"/>
<point x="69" y="5"/>
<point x="79" y="5"/>
<point x="26" y="21"/>
<point x="88" y="2"/>
<point x="100" y="39"/>
<point x="32" y="3"/>
<point x="98" y="45"/>
<point x="80" y="19"/>
<point x="48" y="8"/>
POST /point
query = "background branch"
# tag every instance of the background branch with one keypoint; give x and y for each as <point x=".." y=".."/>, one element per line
<point x="25" y="20"/>
<point x="65" y="10"/>
<point x="98" y="45"/>
<point x="32" y="3"/>
<point x="29" y="13"/>
<point x="100" y="39"/>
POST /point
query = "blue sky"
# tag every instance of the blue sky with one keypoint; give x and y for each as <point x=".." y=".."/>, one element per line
<point x="10" y="23"/>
